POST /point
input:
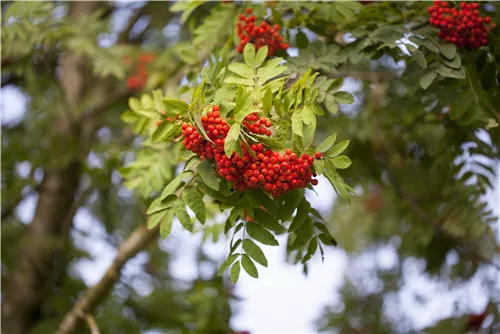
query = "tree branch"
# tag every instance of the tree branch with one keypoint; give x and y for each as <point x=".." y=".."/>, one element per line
<point x="94" y="329"/>
<point x="361" y="75"/>
<point x="139" y="239"/>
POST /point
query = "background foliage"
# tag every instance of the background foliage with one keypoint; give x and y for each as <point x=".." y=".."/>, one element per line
<point x="424" y="145"/>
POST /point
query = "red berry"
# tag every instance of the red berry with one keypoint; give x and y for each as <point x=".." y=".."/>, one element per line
<point x="318" y="155"/>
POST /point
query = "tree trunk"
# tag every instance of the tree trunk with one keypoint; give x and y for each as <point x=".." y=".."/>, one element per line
<point x="32" y="278"/>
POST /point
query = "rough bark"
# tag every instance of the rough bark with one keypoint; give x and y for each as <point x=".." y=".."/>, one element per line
<point x="28" y="283"/>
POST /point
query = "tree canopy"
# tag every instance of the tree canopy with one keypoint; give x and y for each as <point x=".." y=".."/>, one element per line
<point x="221" y="118"/>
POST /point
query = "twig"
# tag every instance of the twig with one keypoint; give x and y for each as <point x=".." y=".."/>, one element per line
<point x="139" y="239"/>
<point x="361" y="75"/>
<point x="94" y="329"/>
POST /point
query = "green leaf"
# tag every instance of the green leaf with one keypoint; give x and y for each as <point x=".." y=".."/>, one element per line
<point x="147" y="101"/>
<point x="194" y="200"/>
<point x="232" y="139"/>
<point x="166" y="224"/>
<point x="267" y="102"/>
<point x="182" y="214"/>
<point x="455" y="63"/>
<point x="341" y="162"/>
<point x="236" y="244"/>
<point x="322" y="228"/>
<point x="129" y="117"/>
<point x="344" y="97"/>
<point x="448" y="72"/>
<point x="317" y="109"/>
<point x="263" y="200"/>
<point x="200" y="128"/>
<point x="260" y="56"/>
<point x="327" y="143"/>
<point x="243" y="102"/>
<point x="270" y="70"/>
<point x="331" y="104"/>
<point x="427" y="79"/>
<point x="249" y="266"/>
<point x="319" y="166"/>
<point x="302" y="40"/>
<point x="338" y="148"/>
<point x="164" y="131"/>
<point x="227" y="263"/>
<point x="327" y="240"/>
<point x="311" y="250"/>
<point x="178" y="106"/>
<point x="273" y="143"/>
<point x="160" y="204"/>
<point x="208" y="175"/>
<point x="254" y="252"/>
<point x="175" y="184"/>
<point x="304" y="234"/>
<point x="448" y="50"/>
<point x="419" y="57"/>
<point x="235" y="271"/>
<point x="152" y="113"/>
<point x="316" y="214"/>
<point x="308" y="115"/>
<point x="261" y="234"/>
<point x="186" y="8"/>
<point x="239" y="81"/>
<point x="266" y="220"/>
<point x="155" y="218"/>
<point x="242" y="70"/>
<point x="336" y="84"/>
<point x="249" y="54"/>
<point x="292" y="200"/>
<point x="297" y="124"/>
<point x="460" y="106"/>
<point x="301" y="216"/>
<point x="134" y="104"/>
<point x="309" y="131"/>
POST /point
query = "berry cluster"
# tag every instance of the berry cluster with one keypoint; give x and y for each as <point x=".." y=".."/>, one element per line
<point x="139" y="79"/>
<point x="257" y="125"/>
<point x="274" y="172"/>
<point x="259" y="35"/>
<point x="464" y="26"/>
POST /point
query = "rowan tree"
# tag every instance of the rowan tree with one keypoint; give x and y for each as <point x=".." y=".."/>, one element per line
<point x="221" y="118"/>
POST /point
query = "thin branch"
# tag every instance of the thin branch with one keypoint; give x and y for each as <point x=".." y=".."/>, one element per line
<point x="94" y="329"/>
<point x="124" y="34"/>
<point x="139" y="239"/>
<point x="361" y="75"/>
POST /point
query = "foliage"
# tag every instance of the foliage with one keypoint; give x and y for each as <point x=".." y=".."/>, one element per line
<point x="406" y="124"/>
